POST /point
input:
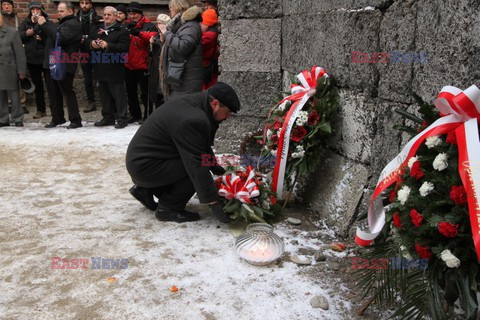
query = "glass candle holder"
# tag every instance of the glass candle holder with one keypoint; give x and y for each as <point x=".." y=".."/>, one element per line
<point x="259" y="245"/>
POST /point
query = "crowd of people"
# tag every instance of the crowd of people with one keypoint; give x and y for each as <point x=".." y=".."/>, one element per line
<point x="160" y="60"/>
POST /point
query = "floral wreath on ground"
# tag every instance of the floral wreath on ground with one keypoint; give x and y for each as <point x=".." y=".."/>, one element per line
<point x="310" y="129"/>
<point x="247" y="196"/>
<point x="427" y="218"/>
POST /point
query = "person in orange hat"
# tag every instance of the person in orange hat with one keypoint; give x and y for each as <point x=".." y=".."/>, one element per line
<point x="210" y="46"/>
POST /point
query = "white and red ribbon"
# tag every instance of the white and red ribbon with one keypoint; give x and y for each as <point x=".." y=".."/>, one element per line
<point x="300" y="95"/>
<point x="234" y="187"/>
<point x="461" y="110"/>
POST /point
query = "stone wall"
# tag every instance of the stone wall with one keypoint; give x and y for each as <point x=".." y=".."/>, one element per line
<point x="263" y="42"/>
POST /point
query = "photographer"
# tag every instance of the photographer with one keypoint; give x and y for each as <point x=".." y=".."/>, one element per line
<point x="141" y="30"/>
<point x="35" y="50"/>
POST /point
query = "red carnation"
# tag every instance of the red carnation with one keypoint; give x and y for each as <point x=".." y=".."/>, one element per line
<point x="416" y="217"/>
<point x="416" y="171"/>
<point x="393" y="195"/>
<point x="274" y="138"/>
<point x="447" y="229"/>
<point x="313" y="118"/>
<point x="422" y="126"/>
<point x="452" y="137"/>
<point x="396" y="220"/>
<point x="273" y="200"/>
<point x="423" y="252"/>
<point x="277" y="124"/>
<point x="298" y="134"/>
<point x="458" y="195"/>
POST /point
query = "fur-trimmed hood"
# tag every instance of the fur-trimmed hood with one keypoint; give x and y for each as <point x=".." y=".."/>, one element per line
<point x="192" y="13"/>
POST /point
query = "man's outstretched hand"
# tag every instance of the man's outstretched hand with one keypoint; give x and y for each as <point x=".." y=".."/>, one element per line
<point x="221" y="215"/>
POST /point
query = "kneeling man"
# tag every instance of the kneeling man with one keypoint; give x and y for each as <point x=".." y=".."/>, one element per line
<point x="164" y="157"/>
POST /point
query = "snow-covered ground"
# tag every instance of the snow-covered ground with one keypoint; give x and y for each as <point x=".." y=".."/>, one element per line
<point x="64" y="193"/>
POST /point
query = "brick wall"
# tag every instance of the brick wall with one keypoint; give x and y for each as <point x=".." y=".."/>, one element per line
<point x="21" y="7"/>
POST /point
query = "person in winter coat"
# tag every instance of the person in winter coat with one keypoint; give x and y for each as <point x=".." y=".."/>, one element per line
<point x="182" y="50"/>
<point x="156" y="42"/>
<point x="70" y="31"/>
<point x="141" y="30"/>
<point x="164" y="158"/>
<point x="121" y="13"/>
<point x="210" y="47"/>
<point x="89" y="20"/>
<point x="210" y="4"/>
<point x="10" y="17"/>
<point x="109" y="44"/>
<point x="13" y="66"/>
<point x="35" y="50"/>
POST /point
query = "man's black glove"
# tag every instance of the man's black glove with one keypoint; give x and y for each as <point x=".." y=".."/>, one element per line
<point x="131" y="25"/>
<point x="217" y="170"/>
<point x="135" y="32"/>
<point x="221" y="215"/>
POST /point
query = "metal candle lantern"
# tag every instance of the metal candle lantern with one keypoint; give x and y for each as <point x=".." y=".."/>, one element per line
<point x="259" y="245"/>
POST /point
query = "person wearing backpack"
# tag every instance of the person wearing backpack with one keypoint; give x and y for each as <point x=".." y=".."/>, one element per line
<point x="70" y="35"/>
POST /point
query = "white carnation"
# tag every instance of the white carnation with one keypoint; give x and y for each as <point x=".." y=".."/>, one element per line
<point x="450" y="260"/>
<point x="296" y="155"/>
<point x="433" y="141"/>
<point x="405" y="253"/>
<point x="273" y="152"/>
<point x="269" y="134"/>
<point x="411" y="161"/>
<point x="403" y="194"/>
<point x="441" y="162"/>
<point x="426" y="188"/>
<point x="282" y="106"/>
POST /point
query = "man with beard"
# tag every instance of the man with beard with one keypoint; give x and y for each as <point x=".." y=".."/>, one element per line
<point x="110" y="42"/>
<point x="89" y="20"/>
<point x="164" y="157"/>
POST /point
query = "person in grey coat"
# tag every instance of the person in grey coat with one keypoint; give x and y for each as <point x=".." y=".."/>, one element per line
<point x="13" y="66"/>
<point x="183" y="43"/>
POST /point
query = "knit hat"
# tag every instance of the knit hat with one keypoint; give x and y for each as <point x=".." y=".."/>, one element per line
<point x="32" y="5"/>
<point x="226" y="95"/>
<point x="9" y="1"/>
<point x="122" y="8"/>
<point x="163" y="18"/>
<point x="209" y="17"/>
<point x="135" y="7"/>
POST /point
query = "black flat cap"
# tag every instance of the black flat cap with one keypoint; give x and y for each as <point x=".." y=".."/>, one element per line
<point x="226" y="95"/>
<point x="135" y="7"/>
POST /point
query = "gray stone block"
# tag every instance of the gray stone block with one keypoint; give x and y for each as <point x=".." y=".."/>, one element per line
<point x="257" y="91"/>
<point x="448" y="31"/>
<point x="397" y="38"/>
<point x="251" y="45"/>
<point x="327" y="40"/>
<point x="293" y="7"/>
<point x="232" y="132"/>
<point x="336" y="189"/>
<point x="234" y="9"/>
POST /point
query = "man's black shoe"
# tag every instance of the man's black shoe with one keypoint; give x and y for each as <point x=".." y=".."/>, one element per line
<point x="164" y="214"/>
<point x="19" y="124"/>
<point x="6" y="124"/>
<point x="217" y="209"/>
<point x="74" y="125"/>
<point x="144" y="196"/>
<point x="120" y="124"/>
<point x="54" y="124"/>
<point x="104" y="122"/>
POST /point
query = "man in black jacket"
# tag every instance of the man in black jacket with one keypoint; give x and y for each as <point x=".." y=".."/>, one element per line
<point x="109" y="44"/>
<point x="87" y="16"/>
<point x="70" y="35"/>
<point x="164" y="157"/>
